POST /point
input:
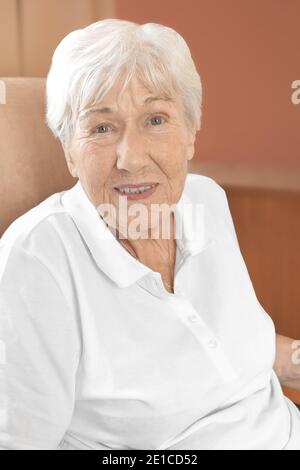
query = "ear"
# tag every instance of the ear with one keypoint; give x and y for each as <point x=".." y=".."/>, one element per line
<point x="70" y="162"/>
<point x="191" y="144"/>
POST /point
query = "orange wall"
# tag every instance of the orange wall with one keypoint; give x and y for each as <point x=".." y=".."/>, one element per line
<point x="247" y="54"/>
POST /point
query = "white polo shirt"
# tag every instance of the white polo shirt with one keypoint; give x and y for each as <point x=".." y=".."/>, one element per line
<point x="96" y="354"/>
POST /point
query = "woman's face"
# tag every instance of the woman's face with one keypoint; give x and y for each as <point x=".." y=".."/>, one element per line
<point x="133" y="138"/>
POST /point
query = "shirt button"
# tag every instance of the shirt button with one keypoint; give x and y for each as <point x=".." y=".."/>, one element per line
<point x="212" y="343"/>
<point x="194" y="318"/>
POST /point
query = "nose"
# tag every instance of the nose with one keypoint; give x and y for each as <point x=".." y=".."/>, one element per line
<point x="131" y="151"/>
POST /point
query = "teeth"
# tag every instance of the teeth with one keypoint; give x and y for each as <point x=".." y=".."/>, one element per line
<point x="142" y="189"/>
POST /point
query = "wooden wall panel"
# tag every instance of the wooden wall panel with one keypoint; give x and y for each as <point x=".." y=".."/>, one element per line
<point x="31" y="30"/>
<point x="9" y="38"/>
<point x="44" y="24"/>
<point x="268" y="227"/>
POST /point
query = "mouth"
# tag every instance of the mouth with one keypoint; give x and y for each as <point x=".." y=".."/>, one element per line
<point x="136" y="191"/>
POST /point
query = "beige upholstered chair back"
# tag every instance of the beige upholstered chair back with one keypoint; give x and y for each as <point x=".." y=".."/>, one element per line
<point x="32" y="163"/>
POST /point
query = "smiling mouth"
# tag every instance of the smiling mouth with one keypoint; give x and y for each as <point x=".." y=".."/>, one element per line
<point x="137" y="191"/>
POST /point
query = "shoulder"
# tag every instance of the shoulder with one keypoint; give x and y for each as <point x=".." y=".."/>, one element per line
<point x="35" y="233"/>
<point x="205" y="190"/>
<point x="201" y="188"/>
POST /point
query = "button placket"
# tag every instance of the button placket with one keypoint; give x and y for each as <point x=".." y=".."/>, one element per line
<point x="158" y="287"/>
<point x="212" y="343"/>
<point x="178" y="290"/>
<point x="158" y="282"/>
<point x="150" y="284"/>
<point x="206" y="338"/>
<point x="194" y="318"/>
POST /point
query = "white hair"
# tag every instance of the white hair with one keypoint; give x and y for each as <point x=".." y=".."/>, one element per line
<point x="87" y="63"/>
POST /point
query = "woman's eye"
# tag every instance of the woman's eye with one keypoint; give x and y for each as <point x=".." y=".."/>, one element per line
<point x="157" y="120"/>
<point x="105" y="128"/>
<point x="102" y="129"/>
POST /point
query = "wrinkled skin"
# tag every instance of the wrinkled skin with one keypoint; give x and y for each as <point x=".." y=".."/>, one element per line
<point x="135" y="143"/>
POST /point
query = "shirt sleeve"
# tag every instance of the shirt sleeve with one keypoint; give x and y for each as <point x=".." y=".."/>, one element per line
<point x="39" y="354"/>
<point x="227" y="217"/>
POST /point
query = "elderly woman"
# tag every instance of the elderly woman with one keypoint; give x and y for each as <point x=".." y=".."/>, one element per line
<point x="117" y="333"/>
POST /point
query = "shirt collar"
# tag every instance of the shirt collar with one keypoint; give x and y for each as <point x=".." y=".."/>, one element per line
<point x="111" y="257"/>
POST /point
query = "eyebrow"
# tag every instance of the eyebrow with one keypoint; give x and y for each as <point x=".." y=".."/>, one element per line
<point x="107" y="110"/>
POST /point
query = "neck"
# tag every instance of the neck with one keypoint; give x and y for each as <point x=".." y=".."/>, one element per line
<point x="157" y="253"/>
